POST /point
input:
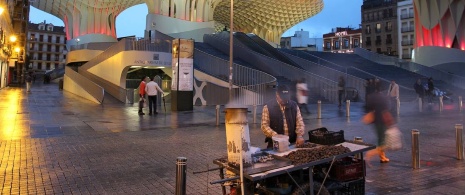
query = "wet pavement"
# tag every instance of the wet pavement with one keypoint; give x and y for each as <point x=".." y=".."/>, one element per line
<point x="54" y="142"/>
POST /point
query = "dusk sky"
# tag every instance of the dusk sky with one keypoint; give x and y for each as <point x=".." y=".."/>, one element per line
<point x="336" y="13"/>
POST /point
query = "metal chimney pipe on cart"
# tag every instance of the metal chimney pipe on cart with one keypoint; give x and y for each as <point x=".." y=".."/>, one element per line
<point x="238" y="138"/>
<point x="181" y="163"/>
<point x="318" y="109"/>
<point x="415" y="149"/>
<point x="459" y="141"/>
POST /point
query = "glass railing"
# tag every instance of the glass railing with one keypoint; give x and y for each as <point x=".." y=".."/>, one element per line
<point x="90" y="87"/>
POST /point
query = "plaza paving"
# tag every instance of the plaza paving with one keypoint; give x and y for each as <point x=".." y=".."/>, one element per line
<point x="54" y="142"/>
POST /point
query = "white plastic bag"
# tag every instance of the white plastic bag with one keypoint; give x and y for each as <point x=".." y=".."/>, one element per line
<point x="393" y="139"/>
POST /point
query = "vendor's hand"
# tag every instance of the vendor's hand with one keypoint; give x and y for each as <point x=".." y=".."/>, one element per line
<point x="300" y="141"/>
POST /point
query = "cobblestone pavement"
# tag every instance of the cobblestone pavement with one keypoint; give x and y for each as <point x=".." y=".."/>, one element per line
<point x="53" y="142"/>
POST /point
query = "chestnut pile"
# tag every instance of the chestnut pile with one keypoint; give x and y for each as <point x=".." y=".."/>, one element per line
<point x="305" y="156"/>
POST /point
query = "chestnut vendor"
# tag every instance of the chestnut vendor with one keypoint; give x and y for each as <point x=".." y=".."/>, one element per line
<point x="282" y="116"/>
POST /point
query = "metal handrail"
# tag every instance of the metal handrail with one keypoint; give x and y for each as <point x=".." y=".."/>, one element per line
<point x="324" y="86"/>
<point x="452" y="79"/>
<point x="92" y="88"/>
<point x="250" y="85"/>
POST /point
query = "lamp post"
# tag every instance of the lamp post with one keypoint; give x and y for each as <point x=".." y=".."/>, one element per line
<point x="231" y="28"/>
<point x="77" y="43"/>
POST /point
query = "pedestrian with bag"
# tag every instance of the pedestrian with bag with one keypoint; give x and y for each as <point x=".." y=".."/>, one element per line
<point x="28" y="81"/>
<point x="378" y="115"/>
<point x="152" y="89"/>
<point x="420" y="90"/>
<point x="142" y="97"/>
<point x="302" y="95"/>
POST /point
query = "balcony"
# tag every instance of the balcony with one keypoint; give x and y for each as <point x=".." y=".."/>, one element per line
<point x="407" y="29"/>
<point x="378" y="42"/>
<point x="406" y="56"/>
<point x="378" y="30"/>
<point x="406" y="42"/>
<point x="406" y="16"/>
<point x="388" y="29"/>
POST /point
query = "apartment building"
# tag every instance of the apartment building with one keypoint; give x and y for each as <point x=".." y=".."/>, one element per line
<point x="46" y="46"/>
<point x="406" y="29"/>
<point x="379" y="26"/>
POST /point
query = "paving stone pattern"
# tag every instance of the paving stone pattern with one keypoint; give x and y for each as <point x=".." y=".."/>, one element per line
<point x="54" y="142"/>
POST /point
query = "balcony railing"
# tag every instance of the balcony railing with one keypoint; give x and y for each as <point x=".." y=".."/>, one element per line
<point x="388" y="29"/>
<point x="406" y="42"/>
<point x="406" y="56"/>
<point x="406" y="16"/>
<point x="407" y="29"/>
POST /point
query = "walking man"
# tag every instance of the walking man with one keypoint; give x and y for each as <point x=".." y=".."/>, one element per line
<point x="28" y="81"/>
<point x="152" y="90"/>
<point x="341" y="84"/>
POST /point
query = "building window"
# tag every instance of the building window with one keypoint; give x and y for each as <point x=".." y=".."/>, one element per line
<point x="365" y="17"/>
<point x="378" y="27"/>
<point x="388" y="26"/>
<point x="368" y="41"/>
<point x="378" y="50"/>
<point x="49" y="39"/>
<point x="388" y="39"/>
<point x="390" y="13"/>
<point x="49" y="28"/>
<point x="371" y="16"/>
<point x="378" y="40"/>
<point x="336" y="44"/>
<point x="57" y="48"/>
<point x="346" y="43"/>
<point x="367" y="29"/>
<point x="39" y="66"/>
<point x="41" y="27"/>
<point x="40" y="47"/>
<point x="48" y="66"/>
<point x="328" y="45"/>
<point x="57" y="40"/>
<point x="41" y="38"/>
<point x="32" y="37"/>
<point x="356" y="43"/>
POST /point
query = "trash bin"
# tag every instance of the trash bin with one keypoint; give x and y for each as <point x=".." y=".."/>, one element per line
<point x="60" y="84"/>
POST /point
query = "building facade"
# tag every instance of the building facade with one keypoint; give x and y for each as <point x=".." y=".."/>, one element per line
<point x="406" y="29"/>
<point x="46" y="47"/>
<point x="342" y="40"/>
<point x="379" y="26"/>
<point x="301" y="41"/>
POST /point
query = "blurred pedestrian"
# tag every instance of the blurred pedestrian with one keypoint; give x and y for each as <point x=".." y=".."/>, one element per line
<point x="142" y="97"/>
<point x="420" y="90"/>
<point x="381" y="119"/>
<point x="28" y="81"/>
<point x="393" y="94"/>
<point x="302" y="94"/>
<point x="341" y="84"/>
<point x="152" y="89"/>
<point x="430" y="91"/>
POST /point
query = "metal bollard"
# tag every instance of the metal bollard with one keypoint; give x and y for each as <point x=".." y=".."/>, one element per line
<point x="420" y="104"/>
<point x="415" y="149"/>
<point x="254" y="114"/>
<point x="181" y="170"/>
<point x="348" y="108"/>
<point x="459" y="141"/>
<point x="360" y="140"/>
<point x="318" y="110"/>
<point x="460" y="103"/>
<point x="217" y="115"/>
<point x="441" y="104"/>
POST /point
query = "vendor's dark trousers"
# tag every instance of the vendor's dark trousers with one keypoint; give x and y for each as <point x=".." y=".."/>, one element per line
<point x="141" y="103"/>
<point x="152" y="104"/>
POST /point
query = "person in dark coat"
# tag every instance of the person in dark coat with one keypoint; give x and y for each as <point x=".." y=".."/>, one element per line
<point x="430" y="90"/>
<point x="419" y="89"/>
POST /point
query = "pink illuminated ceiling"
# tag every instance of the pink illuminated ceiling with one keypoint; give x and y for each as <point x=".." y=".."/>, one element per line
<point x="440" y="23"/>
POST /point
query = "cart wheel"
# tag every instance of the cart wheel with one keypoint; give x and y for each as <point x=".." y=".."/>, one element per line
<point x="306" y="188"/>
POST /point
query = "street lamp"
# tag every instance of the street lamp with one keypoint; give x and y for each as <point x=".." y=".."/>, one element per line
<point x="77" y="42"/>
<point x="231" y="28"/>
<point x="13" y="38"/>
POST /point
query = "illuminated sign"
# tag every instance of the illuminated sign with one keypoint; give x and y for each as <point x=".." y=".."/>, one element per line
<point x="340" y="34"/>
